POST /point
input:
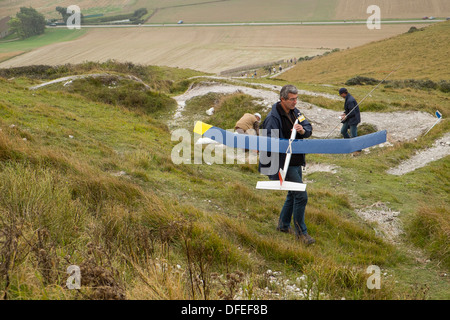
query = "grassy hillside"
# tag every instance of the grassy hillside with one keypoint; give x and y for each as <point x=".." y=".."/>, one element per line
<point x="89" y="181"/>
<point x="418" y="55"/>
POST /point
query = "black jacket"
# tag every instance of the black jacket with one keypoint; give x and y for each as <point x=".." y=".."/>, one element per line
<point x="277" y="125"/>
<point x="354" y="117"/>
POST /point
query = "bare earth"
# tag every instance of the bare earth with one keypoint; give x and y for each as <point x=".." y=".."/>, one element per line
<point x="440" y="149"/>
<point x="388" y="225"/>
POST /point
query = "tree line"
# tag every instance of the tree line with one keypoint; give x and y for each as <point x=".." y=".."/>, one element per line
<point x="27" y="22"/>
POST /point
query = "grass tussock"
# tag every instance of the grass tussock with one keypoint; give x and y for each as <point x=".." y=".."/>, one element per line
<point x="430" y="229"/>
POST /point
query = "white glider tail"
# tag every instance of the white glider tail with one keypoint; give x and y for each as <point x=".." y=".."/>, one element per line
<point x="285" y="185"/>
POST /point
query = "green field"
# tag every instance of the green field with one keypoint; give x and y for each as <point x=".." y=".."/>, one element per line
<point x="51" y="35"/>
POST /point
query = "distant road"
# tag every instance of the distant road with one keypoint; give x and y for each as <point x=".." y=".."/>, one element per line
<point x="253" y="24"/>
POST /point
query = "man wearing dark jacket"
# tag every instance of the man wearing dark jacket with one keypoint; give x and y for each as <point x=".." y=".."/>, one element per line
<point x="279" y="124"/>
<point x="351" y="116"/>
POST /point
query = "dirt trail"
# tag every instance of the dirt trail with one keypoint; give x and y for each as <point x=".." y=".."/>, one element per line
<point x="440" y="149"/>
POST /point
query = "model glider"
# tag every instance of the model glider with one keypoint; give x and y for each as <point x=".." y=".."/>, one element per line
<point x="288" y="146"/>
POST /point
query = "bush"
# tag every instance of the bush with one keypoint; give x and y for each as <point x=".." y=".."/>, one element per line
<point x="366" y="128"/>
<point x="414" y="29"/>
<point x="360" y="80"/>
<point x="444" y="86"/>
<point x="427" y="84"/>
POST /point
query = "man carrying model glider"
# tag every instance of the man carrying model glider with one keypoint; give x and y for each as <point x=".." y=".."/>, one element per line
<point x="282" y="153"/>
<point x="279" y="124"/>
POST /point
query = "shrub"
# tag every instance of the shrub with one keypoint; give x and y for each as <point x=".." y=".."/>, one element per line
<point x="366" y="128"/>
<point x="414" y="29"/>
<point x="444" y="86"/>
<point x="360" y="80"/>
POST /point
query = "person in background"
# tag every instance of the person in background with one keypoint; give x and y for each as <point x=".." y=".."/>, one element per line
<point x="351" y="116"/>
<point x="248" y="124"/>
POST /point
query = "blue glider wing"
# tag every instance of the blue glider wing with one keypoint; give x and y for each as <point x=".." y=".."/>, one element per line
<point x="268" y="144"/>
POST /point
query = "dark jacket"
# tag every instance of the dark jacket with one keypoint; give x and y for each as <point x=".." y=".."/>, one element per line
<point x="276" y="126"/>
<point x="354" y="117"/>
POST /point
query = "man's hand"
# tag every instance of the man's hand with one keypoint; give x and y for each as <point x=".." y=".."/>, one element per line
<point x="299" y="129"/>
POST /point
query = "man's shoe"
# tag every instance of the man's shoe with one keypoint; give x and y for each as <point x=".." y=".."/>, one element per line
<point x="306" y="239"/>
<point x="289" y="230"/>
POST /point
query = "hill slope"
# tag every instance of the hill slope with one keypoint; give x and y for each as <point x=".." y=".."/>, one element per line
<point x="89" y="181"/>
<point x="93" y="184"/>
<point x="423" y="54"/>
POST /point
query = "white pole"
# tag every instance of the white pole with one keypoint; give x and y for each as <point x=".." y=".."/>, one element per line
<point x="439" y="116"/>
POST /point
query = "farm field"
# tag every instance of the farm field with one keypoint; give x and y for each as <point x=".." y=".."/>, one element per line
<point x="208" y="49"/>
<point x="394" y="9"/>
<point x="298" y="10"/>
<point x="10" y="48"/>
<point x="169" y="11"/>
